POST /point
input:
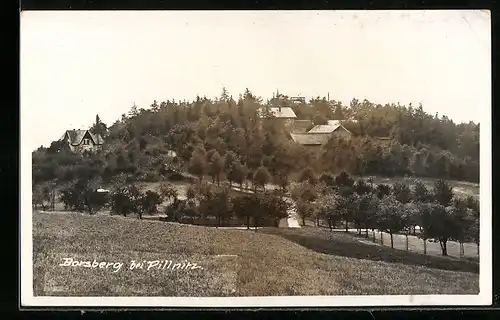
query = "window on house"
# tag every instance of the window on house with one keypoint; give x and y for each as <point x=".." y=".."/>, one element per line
<point x="86" y="141"/>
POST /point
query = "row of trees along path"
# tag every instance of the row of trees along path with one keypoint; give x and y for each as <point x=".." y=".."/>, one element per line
<point x="394" y="209"/>
<point x="438" y="213"/>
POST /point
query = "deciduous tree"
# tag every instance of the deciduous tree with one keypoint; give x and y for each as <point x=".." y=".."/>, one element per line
<point x="390" y="218"/>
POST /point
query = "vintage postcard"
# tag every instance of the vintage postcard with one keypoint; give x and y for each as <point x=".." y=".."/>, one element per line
<point x="255" y="158"/>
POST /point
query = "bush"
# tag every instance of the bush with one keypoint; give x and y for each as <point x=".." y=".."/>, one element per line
<point x="82" y="195"/>
<point x="122" y="202"/>
<point x="150" y="201"/>
<point x="308" y="175"/>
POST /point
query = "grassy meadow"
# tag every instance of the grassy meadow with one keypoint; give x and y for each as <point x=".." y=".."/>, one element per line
<point x="462" y="188"/>
<point x="269" y="262"/>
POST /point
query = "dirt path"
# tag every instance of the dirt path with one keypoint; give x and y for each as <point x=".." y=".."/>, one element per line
<point x="416" y="244"/>
<point x="292" y="220"/>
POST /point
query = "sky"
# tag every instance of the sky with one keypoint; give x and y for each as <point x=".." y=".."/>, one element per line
<point x="76" y="64"/>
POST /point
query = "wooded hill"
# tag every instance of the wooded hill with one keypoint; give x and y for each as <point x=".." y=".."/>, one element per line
<point x="225" y="138"/>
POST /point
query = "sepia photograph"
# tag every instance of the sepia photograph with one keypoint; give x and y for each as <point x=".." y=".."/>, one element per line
<point x="255" y="158"/>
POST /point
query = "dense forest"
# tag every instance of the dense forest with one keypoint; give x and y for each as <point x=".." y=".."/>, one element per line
<point x="224" y="138"/>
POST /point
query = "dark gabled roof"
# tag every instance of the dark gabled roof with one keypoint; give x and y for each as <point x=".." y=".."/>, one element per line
<point x="76" y="137"/>
<point x="97" y="138"/>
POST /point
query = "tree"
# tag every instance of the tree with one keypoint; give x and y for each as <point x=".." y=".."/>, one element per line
<point x="304" y="194"/>
<point x="58" y="146"/>
<point x="215" y="167"/>
<point x="361" y="187"/>
<point x="464" y="220"/>
<point x="42" y="195"/>
<point x="216" y="204"/>
<point x="410" y="215"/>
<point x="363" y="211"/>
<point x="136" y="200"/>
<point x="308" y="175"/>
<point x="94" y="200"/>
<point x="121" y="203"/>
<point x="383" y="190"/>
<point x="198" y="165"/>
<point x="438" y="223"/>
<point x="284" y="162"/>
<point x="320" y="120"/>
<point x="421" y="193"/>
<point x="343" y="179"/>
<point x="344" y="184"/>
<point x="168" y="192"/>
<point x="281" y="179"/>
<point x="390" y="218"/>
<point x="275" y="207"/>
<point x="237" y="173"/>
<point x="71" y="196"/>
<point x="473" y="234"/>
<point x="261" y="177"/>
<point x="82" y="195"/>
<point x="424" y="211"/>
<point x="230" y="161"/>
<point x="347" y="206"/>
<point x="242" y="206"/>
<point x="50" y="193"/>
<point x="442" y="193"/>
<point x="365" y="216"/>
<point x="473" y="204"/>
<point x="402" y="192"/>
<point x="181" y="208"/>
<point x="326" y="208"/>
<point x="257" y="208"/>
<point x="338" y="114"/>
<point x="327" y="179"/>
<point x="149" y="202"/>
<point x="305" y="210"/>
<point x="99" y="127"/>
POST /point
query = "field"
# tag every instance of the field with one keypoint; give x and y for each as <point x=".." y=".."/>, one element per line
<point x="305" y="261"/>
<point x="462" y="188"/>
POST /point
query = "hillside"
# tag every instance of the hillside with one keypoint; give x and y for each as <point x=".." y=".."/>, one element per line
<point x="225" y="139"/>
<point x="233" y="262"/>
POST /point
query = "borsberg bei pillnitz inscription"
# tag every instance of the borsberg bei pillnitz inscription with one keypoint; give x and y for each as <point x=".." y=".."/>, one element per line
<point x="133" y="265"/>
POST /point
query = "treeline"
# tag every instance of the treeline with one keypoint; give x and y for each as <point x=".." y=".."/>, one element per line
<point x="205" y="203"/>
<point x="431" y="214"/>
<point x="438" y="212"/>
<point x="223" y="130"/>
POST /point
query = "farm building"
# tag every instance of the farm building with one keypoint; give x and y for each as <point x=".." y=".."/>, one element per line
<point x="284" y="115"/>
<point x="82" y="140"/>
<point x="310" y="139"/>
<point x="320" y="134"/>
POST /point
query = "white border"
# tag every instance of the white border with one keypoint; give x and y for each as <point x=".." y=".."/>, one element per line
<point x="485" y="273"/>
